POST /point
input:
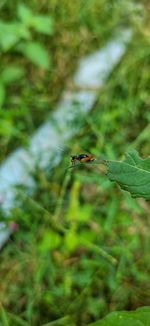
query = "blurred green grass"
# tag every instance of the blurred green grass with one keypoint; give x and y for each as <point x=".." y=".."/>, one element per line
<point x="76" y="28"/>
<point x="82" y="248"/>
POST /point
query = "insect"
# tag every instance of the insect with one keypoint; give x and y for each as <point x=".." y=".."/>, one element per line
<point x="82" y="158"/>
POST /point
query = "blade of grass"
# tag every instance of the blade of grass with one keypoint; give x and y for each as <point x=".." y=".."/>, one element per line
<point x="64" y="321"/>
<point x="3" y="316"/>
<point x="17" y="320"/>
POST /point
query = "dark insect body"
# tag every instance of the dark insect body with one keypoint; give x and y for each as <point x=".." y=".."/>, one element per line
<point x="82" y="158"/>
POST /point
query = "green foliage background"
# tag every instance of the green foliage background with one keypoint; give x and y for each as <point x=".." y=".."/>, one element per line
<point x="82" y="247"/>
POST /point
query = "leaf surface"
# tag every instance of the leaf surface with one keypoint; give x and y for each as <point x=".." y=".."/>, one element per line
<point x="139" y="317"/>
<point x="36" y="53"/>
<point x="132" y="174"/>
<point x="12" y="73"/>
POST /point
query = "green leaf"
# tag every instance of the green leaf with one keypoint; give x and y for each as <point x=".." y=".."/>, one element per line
<point x="8" y="36"/>
<point x="51" y="240"/>
<point x="43" y="24"/>
<point x="132" y="174"/>
<point x="71" y="240"/>
<point x="25" y="14"/>
<point x="2" y="94"/>
<point x="139" y="317"/>
<point x="7" y="128"/>
<point x="12" y="73"/>
<point x="36" y="52"/>
<point x="11" y="33"/>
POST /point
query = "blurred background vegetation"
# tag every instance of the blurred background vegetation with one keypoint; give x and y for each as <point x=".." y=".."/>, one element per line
<point x="82" y="245"/>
